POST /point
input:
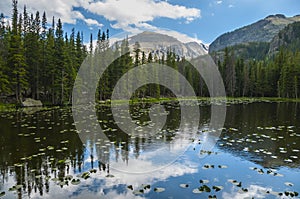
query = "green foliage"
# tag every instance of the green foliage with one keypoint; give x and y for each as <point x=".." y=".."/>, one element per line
<point x="275" y="77"/>
<point x="42" y="62"/>
<point x="37" y="61"/>
<point x="262" y="69"/>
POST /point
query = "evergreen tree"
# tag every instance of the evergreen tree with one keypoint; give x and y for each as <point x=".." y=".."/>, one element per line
<point x="48" y="75"/>
<point x="16" y="56"/>
<point x="229" y="72"/>
<point x="59" y="69"/>
<point x="4" y="78"/>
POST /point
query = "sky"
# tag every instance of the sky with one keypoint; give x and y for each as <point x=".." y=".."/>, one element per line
<point x="187" y="20"/>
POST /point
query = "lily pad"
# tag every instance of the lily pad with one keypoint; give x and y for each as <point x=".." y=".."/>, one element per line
<point x="184" y="185"/>
<point x="75" y="182"/>
<point x="50" y="148"/>
<point x="204" y="181"/>
<point x="55" y="179"/>
<point x="130" y="187"/>
<point x="68" y="177"/>
<point x="197" y="191"/>
<point x="38" y="176"/>
<point x="159" y="189"/>
<point x="19" y="186"/>
<point x="13" y="188"/>
<point x="289" y="184"/>
<point x="217" y="188"/>
<point x="2" y="193"/>
<point x="61" y="161"/>
<point x="138" y="192"/>
<point x="234" y="182"/>
<point x="288" y="160"/>
<point x="204" y="188"/>
<point x="208" y="166"/>
<point x="85" y="175"/>
<point x="146" y="186"/>
<point x="63" y="183"/>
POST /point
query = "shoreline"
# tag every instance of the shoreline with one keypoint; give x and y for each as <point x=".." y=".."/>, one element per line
<point x="229" y="100"/>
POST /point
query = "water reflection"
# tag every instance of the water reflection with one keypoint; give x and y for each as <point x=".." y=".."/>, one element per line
<point x="266" y="133"/>
<point x="42" y="155"/>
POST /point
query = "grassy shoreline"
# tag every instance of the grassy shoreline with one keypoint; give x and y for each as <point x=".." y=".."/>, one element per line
<point x="204" y="99"/>
<point x="13" y="107"/>
<point x="7" y="107"/>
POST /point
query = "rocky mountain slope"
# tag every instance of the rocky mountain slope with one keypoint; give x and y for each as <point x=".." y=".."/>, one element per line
<point x="261" y="31"/>
<point x="288" y="38"/>
<point x="160" y="43"/>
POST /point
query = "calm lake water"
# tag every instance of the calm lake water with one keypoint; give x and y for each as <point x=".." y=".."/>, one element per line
<point x="257" y="155"/>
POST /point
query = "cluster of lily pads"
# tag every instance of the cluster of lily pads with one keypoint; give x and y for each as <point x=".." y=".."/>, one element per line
<point x="256" y="142"/>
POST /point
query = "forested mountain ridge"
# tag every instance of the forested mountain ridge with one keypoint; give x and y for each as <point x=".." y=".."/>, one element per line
<point x="287" y="38"/>
<point x="262" y="69"/>
<point x="261" y="31"/>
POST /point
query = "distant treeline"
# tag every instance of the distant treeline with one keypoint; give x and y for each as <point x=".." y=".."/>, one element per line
<point x="273" y="76"/>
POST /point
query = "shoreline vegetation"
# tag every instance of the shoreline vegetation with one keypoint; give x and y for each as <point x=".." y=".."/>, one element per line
<point x="229" y="100"/>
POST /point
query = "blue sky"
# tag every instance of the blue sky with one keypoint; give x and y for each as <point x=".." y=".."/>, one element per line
<point x="185" y="19"/>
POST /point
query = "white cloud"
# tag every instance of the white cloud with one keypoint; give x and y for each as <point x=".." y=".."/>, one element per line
<point x="130" y="31"/>
<point x="219" y="2"/>
<point x="180" y="36"/>
<point x="254" y="191"/>
<point x="89" y="22"/>
<point x="132" y="16"/>
<point x="125" y="13"/>
<point x="94" y="22"/>
<point x="57" y="8"/>
<point x="122" y="12"/>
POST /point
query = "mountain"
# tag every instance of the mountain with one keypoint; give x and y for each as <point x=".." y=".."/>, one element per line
<point x="289" y="38"/>
<point x="261" y="31"/>
<point x="159" y="44"/>
<point x="246" y="51"/>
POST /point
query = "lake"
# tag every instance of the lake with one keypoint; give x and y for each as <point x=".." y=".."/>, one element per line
<point x="256" y="155"/>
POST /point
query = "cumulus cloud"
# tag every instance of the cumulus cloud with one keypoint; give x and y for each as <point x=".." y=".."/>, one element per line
<point x="254" y="191"/>
<point x="135" y="12"/>
<point x="89" y="22"/>
<point x="58" y="8"/>
<point x="130" y="31"/>
<point x="133" y="16"/>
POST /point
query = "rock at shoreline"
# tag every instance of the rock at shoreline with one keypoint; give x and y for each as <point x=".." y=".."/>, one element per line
<point x="31" y="103"/>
